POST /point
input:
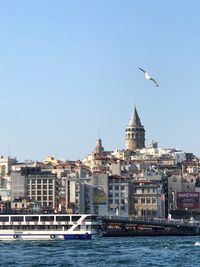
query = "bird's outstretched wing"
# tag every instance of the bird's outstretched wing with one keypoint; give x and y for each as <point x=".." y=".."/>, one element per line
<point x="154" y="81"/>
<point x="142" y="69"/>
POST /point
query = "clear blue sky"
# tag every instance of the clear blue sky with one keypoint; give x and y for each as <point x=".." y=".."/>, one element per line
<point x="69" y="69"/>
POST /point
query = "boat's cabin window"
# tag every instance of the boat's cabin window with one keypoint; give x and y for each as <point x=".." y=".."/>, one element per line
<point x="62" y="218"/>
<point x="17" y="219"/>
<point x="75" y="218"/>
<point x="31" y="218"/>
<point x="4" y="219"/>
<point x="47" y="218"/>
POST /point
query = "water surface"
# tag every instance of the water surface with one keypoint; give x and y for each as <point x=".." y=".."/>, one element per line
<point x="129" y="251"/>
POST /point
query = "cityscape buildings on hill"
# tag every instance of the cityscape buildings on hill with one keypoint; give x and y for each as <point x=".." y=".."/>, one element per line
<point x="137" y="181"/>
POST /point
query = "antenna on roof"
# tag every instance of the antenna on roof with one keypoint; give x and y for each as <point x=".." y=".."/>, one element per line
<point x="9" y="150"/>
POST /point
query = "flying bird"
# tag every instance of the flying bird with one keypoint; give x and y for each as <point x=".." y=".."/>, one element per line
<point x="148" y="77"/>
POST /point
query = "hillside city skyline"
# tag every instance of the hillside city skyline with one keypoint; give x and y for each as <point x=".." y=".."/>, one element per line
<point x="145" y="182"/>
<point x="99" y="104"/>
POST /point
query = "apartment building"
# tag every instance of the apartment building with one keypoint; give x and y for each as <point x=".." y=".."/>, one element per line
<point x="148" y="199"/>
<point x="42" y="189"/>
<point x="119" y="196"/>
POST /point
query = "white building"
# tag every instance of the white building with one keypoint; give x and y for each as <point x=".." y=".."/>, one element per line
<point x="119" y="196"/>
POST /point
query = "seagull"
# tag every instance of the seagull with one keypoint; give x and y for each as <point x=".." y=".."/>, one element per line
<point x="147" y="77"/>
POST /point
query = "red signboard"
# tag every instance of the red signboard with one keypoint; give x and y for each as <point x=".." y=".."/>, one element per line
<point x="187" y="200"/>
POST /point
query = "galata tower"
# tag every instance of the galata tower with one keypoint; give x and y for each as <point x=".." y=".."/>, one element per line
<point x="134" y="133"/>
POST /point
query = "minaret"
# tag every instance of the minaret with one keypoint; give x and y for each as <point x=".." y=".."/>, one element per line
<point x="135" y="133"/>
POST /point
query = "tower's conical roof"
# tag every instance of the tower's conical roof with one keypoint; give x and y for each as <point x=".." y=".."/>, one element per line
<point x="99" y="148"/>
<point x="135" y="120"/>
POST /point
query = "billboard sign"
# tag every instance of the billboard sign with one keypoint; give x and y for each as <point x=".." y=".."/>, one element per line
<point x="187" y="200"/>
<point x="99" y="196"/>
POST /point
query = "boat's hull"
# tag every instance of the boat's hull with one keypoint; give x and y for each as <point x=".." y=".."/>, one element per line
<point x="45" y="236"/>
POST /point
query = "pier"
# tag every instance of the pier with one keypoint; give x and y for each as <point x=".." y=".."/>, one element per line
<point x="115" y="226"/>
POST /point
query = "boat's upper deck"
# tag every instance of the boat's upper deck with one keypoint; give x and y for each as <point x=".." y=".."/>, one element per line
<point x="48" y="219"/>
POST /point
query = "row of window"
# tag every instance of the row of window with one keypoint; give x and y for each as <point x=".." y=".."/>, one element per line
<point x="39" y="181"/>
<point x="112" y="195"/>
<point x="133" y="136"/>
<point x="33" y="227"/>
<point x="116" y="187"/>
<point x="44" y="198"/>
<point x="116" y="201"/>
<point x="43" y="228"/>
<point x="39" y="193"/>
<point x="147" y="200"/>
<point x="148" y="190"/>
<point x="39" y="186"/>
<point x="49" y="218"/>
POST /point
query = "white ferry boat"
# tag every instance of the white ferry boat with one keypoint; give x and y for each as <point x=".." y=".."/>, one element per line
<point x="48" y="226"/>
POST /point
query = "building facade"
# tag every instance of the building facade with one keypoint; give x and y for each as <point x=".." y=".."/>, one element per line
<point x="119" y="196"/>
<point x="148" y="200"/>
<point x="42" y="189"/>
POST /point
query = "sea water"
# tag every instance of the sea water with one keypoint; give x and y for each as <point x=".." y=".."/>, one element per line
<point x="129" y="251"/>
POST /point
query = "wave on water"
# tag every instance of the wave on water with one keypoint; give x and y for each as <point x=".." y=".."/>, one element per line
<point x="106" y="252"/>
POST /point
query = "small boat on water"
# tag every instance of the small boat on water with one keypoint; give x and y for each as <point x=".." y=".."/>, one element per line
<point x="48" y="226"/>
